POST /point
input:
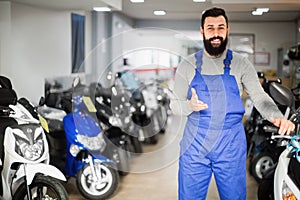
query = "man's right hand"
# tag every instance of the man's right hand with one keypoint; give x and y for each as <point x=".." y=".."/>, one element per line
<point x="195" y="103"/>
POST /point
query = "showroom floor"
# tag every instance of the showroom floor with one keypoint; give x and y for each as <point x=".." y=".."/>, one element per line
<point x="154" y="173"/>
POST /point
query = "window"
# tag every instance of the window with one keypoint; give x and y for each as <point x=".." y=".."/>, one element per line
<point x="77" y="43"/>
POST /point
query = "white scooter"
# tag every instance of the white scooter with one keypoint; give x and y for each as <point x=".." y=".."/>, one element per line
<point x="285" y="186"/>
<point x="25" y="169"/>
<point x="283" y="181"/>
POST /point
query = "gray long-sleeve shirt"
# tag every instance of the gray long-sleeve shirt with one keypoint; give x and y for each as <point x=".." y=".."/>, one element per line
<point x="245" y="75"/>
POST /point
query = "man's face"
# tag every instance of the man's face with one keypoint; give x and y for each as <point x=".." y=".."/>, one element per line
<point x="215" y="34"/>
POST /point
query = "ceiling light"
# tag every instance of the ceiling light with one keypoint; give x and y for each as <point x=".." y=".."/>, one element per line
<point x="159" y="12"/>
<point x="197" y="1"/>
<point x="102" y="9"/>
<point x="137" y="1"/>
<point x="262" y="9"/>
<point x="255" y="12"/>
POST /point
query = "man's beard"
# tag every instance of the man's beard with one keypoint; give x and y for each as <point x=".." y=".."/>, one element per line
<point x="215" y="51"/>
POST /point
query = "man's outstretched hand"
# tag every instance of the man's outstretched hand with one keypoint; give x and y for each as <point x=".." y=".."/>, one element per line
<point x="195" y="103"/>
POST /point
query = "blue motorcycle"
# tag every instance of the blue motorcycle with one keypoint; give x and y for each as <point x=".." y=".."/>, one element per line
<point x="82" y="137"/>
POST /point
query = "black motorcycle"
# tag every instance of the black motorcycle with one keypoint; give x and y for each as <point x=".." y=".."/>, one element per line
<point x="282" y="181"/>
<point x="264" y="150"/>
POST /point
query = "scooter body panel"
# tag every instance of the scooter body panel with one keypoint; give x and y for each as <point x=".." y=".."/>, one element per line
<point x="33" y="169"/>
<point x="15" y="165"/>
<point x="77" y="125"/>
<point x="281" y="176"/>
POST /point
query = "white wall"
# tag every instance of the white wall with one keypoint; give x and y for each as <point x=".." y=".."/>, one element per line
<point x="5" y="35"/>
<point x="40" y="47"/>
<point x="269" y="37"/>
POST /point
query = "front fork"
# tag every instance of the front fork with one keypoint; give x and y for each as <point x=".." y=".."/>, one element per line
<point x="27" y="186"/>
<point x="95" y="168"/>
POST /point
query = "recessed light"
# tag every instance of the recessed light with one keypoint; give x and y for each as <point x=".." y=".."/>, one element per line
<point x="159" y="12"/>
<point x="137" y="1"/>
<point x="197" y="1"/>
<point x="102" y="9"/>
<point x="255" y="12"/>
<point x="262" y="9"/>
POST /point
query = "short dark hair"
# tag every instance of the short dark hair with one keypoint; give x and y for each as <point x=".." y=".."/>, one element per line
<point x="213" y="12"/>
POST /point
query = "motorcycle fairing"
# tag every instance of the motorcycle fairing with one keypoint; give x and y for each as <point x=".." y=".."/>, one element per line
<point x="79" y="123"/>
<point x="37" y="168"/>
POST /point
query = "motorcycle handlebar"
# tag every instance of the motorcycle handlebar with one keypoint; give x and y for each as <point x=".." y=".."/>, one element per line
<point x="273" y="129"/>
<point x="294" y="118"/>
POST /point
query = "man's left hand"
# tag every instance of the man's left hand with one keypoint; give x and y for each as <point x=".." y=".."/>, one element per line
<point x="285" y="126"/>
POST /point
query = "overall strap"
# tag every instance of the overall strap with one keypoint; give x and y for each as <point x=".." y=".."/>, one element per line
<point x="227" y="62"/>
<point x="198" y="56"/>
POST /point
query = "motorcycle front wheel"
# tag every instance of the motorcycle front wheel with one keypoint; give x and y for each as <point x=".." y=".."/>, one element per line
<point x="260" y="164"/>
<point x="265" y="190"/>
<point x="42" y="187"/>
<point x="97" y="188"/>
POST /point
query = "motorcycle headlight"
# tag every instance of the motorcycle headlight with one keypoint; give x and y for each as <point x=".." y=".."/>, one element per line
<point x="159" y="97"/>
<point x="92" y="143"/>
<point x="74" y="150"/>
<point x="287" y="193"/>
<point x="132" y="109"/>
<point x="115" y="121"/>
<point x="29" y="142"/>
<point x="143" y="108"/>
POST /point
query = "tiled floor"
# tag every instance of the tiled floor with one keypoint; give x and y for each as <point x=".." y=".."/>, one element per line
<point x="154" y="174"/>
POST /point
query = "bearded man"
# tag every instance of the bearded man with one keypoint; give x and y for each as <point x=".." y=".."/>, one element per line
<point x="208" y="87"/>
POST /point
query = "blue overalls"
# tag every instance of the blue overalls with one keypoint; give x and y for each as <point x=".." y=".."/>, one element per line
<point x="214" y="139"/>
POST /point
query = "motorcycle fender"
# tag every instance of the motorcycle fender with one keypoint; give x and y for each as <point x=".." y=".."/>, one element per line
<point x="40" y="168"/>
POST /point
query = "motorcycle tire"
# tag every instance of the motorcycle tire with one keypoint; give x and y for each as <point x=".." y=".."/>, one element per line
<point x="55" y="190"/>
<point x="153" y="139"/>
<point x="104" y="189"/>
<point x="122" y="161"/>
<point x="137" y="145"/>
<point x="260" y="163"/>
<point x="266" y="190"/>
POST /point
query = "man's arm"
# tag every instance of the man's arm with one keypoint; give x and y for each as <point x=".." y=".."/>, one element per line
<point x="263" y="102"/>
<point x="179" y="103"/>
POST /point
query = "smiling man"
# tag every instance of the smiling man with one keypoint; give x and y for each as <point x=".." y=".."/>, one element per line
<point x="208" y="88"/>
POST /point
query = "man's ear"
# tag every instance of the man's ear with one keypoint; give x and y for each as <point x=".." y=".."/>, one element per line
<point x="201" y="30"/>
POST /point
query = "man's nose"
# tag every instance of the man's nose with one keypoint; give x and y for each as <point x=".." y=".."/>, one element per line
<point x="216" y="33"/>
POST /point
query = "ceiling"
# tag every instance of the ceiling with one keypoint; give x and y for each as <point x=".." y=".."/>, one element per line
<point x="237" y="10"/>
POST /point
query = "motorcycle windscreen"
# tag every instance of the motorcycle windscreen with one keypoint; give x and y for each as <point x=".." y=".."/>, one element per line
<point x="82" y="124"/>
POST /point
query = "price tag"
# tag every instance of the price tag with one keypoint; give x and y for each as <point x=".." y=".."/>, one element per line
<point x="89" y="104"/>
<point x="44" y="123"/>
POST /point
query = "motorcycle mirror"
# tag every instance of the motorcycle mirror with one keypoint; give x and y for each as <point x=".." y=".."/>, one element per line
<point x="282" y="94"/>
<point x="42" y="101"/>
<point x="76" y="82"/>
<point x="5" y="111"/>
